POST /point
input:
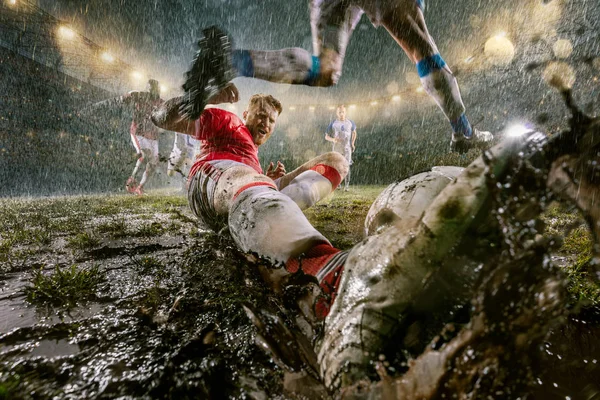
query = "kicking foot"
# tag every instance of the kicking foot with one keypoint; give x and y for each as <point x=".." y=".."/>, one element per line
<point x="461" y="144"/>
<point x="131" y="185"/>
<point x="211" y="71"/>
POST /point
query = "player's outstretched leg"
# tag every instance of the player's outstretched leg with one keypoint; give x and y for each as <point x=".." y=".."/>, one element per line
<point x="406" y="23"/>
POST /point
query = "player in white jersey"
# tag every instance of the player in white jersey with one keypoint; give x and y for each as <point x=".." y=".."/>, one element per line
<point x="342" y="134"/>
<point x="182" y="156"/>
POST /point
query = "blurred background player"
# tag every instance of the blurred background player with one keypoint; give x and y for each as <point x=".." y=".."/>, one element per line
<point x="144" y="134"/>
<point x="182" y="156"/>
<point x="332" y="24"/>
<point x="342" y="134"/>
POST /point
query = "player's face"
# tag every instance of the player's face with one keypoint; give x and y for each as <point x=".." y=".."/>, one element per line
<point x="260" y="121"/>
<point x="341" y="113"/>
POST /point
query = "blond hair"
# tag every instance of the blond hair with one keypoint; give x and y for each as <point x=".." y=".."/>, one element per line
<point x="276" y="104"/>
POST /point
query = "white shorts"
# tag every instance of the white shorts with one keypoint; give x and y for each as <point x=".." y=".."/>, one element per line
<point x="201" y="192"/>
<point x="148" y="148"/>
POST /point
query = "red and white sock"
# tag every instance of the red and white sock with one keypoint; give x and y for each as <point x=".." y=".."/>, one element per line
<point x="313" y="185"/>
<point x="326" y="263"/>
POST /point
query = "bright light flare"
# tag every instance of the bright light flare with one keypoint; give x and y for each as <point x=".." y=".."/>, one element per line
<point x="396" y="98"/>
<point x="420" y="89"/>
<point x="517" y="130"/>
<point x="499" y="50"/>
<point x="137" y="76"/>
<point x="12" y="2"/>
<point x="163" y="88"/>
<point x="292" y="108"/>
<point x="66" y="33"/>
<point x="352" y="106"/>
<point x="107" y="57"/>
<point x="331" y="107"/>
<point x="311" y="108"/>
<point x="374" y="103"/>
<point x="562" y="48"/>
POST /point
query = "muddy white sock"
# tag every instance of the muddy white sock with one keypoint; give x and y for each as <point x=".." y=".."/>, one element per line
<point x="313" y="185"/>
<point x="439" y="82"/>
<point x="292" y="65"/>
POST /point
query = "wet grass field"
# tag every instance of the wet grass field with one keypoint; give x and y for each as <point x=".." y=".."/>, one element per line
<point x="108" y="296"/>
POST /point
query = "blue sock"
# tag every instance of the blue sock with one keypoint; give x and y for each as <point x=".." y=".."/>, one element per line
<point x="429" y="64"/>
<point x="462" y="125"/>
<point x="242" y="62"/>
<point x="314" y="72"/>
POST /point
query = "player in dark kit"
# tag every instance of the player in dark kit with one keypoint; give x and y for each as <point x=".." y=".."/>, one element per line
<point x="144" y="134"/>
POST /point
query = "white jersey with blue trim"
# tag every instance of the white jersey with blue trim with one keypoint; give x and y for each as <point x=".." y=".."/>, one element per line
<point x="342" y="130"/>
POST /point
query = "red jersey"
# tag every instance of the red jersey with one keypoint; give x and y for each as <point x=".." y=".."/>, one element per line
<point x="223" y="136"/>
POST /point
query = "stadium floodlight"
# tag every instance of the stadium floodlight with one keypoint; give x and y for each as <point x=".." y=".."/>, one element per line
<point x="396" y="98"/>
<point x="420" y="89"/>
<point x="12" y="2"/>
<point x="331" y="107"/>
<point x="352" y="106"/>
<point x="163" y="88"/>
<point x="106" y="56"/>
<point x="292" y="108"/>
<point x="66" y="32"/>
<point x="137" y="76"/>
<point x="374" y="103"/>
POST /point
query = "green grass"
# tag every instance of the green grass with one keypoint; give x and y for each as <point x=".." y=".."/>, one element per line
<point x="83" y="241"/>
<point x="28" y="227"/>
<point x="8" y="386"/>
<point x="577" y="248"/>
<point x="64" y="287"/>
<point x="340" y="216"/>
<point x="115" y="229"/>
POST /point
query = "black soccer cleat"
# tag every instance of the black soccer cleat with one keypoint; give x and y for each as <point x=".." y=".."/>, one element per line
<point x="210" y="72"/>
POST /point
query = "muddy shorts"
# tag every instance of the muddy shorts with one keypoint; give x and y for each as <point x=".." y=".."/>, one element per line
<point x="333" y="21"/>
<point x="201" y="192"/>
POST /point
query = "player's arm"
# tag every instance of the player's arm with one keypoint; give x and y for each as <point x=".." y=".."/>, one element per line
<point x="353" y="135"/>
<point x="328" y="131"/>
<point x="169" y="116"/>
<point x="112" y="104"/>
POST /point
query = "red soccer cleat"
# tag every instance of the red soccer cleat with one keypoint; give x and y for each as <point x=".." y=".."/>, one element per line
<point x="131" y="185"/>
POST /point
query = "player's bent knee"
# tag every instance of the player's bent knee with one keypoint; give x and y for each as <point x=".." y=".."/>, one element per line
<point x="337" y="161"/>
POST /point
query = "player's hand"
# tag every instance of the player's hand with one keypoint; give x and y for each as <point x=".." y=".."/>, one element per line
<point x="275" y="173"/>
<point x="353" y="147"/>
<point x="229" y="94"/>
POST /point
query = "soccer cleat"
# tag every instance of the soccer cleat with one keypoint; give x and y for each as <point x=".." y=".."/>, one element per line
<point x="131" y="185"/>
<point x="211" y="71"/>
<point x="461" y="144"/>
<point x="139" y="191"/>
